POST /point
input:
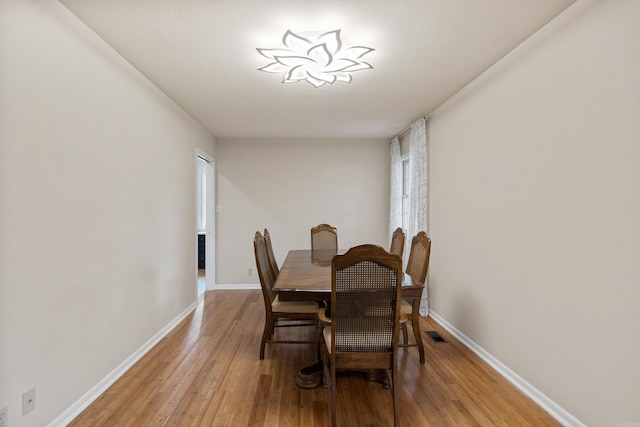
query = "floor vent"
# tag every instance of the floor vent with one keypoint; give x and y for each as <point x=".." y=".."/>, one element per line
<point x="435" y="336"/>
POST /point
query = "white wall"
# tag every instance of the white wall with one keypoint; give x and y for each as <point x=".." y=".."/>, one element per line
<point x="535" y="211"/>
<point x="97" y="202"/>
<point x="289" y="186"/>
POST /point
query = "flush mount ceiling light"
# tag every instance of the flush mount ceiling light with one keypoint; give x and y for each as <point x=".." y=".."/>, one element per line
<point x="318" y="58"/>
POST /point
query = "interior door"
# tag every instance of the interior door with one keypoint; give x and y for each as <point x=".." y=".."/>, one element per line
<point x="210" y="240"/>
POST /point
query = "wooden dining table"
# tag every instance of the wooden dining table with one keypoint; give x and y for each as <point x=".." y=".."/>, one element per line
<point x="305" y="275"/>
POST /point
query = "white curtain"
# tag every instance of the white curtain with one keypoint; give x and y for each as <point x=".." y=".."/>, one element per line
<point x="395" y="201"/>
<point x="418" y="165"/>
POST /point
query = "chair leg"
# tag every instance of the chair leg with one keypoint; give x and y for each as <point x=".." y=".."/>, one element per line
<point x="332" y="387"/>
<point x="394" y="392"/>
<point x="326" y="375"/>
<point x="266" y="335"/>
<point x="405" y="335"/>
<point x="319" y="355"/>
<point x="415" y="325"/>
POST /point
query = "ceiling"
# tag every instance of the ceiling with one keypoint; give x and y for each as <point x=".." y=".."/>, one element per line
<point x="202" y="54"/>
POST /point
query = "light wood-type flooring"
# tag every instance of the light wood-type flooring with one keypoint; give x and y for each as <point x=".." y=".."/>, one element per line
<point x="206" y="372"/>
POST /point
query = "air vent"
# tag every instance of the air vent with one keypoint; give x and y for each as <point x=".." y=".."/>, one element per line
<point x="435" y="336"/>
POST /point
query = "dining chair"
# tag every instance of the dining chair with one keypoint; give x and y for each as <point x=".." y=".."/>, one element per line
<point x="324" y="236"/>
<point x="280" y="313"/>
<point x="417" y="268"/>
<point x="364" y="319"/>
<point x="272" y="259"/>
<point x="397" y="242"/>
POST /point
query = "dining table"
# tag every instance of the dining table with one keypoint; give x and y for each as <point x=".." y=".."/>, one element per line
<point x="305" y="275"/>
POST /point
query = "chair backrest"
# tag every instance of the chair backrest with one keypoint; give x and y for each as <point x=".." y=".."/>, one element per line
<point x="397" y="242"/>
<point x="272" y="259"/>
<point x="365" y="300"/>
<point x="324" y="236"/>
<point x="418" y="263"/>
<point x="264" y="270"/>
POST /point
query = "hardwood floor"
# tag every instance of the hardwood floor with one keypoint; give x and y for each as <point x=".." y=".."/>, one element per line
<point x="206" y="372"/>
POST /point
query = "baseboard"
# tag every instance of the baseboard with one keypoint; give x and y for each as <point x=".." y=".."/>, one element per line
<point x="555" y="410"/>
<point x="81" y="404"/>
<point x="235" y="287"/>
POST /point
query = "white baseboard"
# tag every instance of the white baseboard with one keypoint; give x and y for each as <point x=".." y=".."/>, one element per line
<point x="555" y="410"/>
<point x="81" y="404"/>
<point x="235" y="287"/>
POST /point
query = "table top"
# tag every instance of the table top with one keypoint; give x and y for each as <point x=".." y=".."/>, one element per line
<point x="306" y="274"/>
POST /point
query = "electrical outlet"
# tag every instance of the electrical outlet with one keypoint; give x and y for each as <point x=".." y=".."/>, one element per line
<point x="249" y="272"/>
<point x="28" y="401"/>
<point x="4" y="417"/>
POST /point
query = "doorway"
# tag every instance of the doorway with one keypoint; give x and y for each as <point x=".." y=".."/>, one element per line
<point x="205" y="190"/>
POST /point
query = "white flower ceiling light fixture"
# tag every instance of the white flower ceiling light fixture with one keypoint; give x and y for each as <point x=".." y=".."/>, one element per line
<point x="318" y="58"/>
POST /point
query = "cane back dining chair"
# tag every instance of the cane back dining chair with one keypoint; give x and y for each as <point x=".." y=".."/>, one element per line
<point x="365" y="311"/>
<point x="280" y="313"/>
<point x="417" y="268"/>
<point x="397" y="242"/>
<point x="324" y="236"/>
<point x="272" y="259"/>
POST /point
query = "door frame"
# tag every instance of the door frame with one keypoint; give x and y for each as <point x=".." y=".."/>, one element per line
<point x="210" y="233"/>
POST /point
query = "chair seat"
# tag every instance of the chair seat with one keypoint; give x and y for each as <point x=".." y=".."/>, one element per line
<point x="406" y="307"/>
<point x="293" y="306"/>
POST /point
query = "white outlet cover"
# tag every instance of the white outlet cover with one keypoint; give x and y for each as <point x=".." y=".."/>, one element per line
<point x="28" y="401"/>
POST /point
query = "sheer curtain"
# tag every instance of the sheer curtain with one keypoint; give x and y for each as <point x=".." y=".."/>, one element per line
<point x="395" y="201"/>
<point x="418" y="165"/>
